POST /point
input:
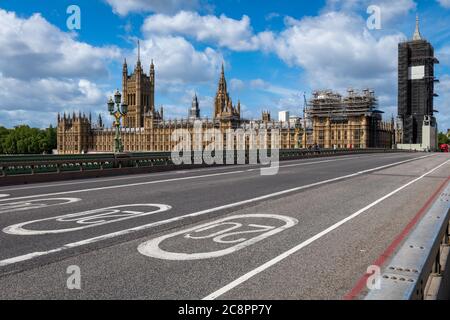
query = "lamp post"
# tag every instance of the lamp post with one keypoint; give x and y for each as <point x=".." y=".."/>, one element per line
<point x="118" y="114"/>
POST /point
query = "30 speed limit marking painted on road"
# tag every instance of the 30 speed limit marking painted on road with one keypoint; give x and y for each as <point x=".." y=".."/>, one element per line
<point x="86" y="219"/>
<point x="34" y="204"/>
<point x="229" y="234"/>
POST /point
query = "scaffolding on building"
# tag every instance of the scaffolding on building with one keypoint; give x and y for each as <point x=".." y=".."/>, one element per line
<point x="338" y="120"/>
<point x="328" y="104"/>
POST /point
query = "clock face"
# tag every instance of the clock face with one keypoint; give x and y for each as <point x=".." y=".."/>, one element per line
<point x="416" y="73"/>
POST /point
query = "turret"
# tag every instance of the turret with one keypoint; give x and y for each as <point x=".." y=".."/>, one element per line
<point x="138" y="64"/>
<point x="152" y="86"/>
<point x="125" y="67"/>
<point x="152" y="71"/>
<point x="100" y="121"/>
<point x="266" y="116"/>
<point x="194" y="112"/>
<point x="417" y="36"/>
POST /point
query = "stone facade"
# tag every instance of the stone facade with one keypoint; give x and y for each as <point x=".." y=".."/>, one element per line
<point x="348" y="122"/>
<point x="144" y="128"/>
<point x="333" y="121"/>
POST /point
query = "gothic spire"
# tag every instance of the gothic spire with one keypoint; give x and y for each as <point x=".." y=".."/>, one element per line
<point x="417" y="35"/>
<point x="222" y="81"/>
<point x="139" y="54"/>
<point x="152" y="68"/>
<point x="195" y="101"/>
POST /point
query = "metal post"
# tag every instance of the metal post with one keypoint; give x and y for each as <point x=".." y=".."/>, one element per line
<point x="118" y="114"/>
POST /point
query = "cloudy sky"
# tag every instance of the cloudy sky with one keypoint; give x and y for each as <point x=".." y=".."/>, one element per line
<point x="273" y="52"/>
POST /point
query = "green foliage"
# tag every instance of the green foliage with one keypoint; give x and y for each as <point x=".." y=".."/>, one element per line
<point x="26" y="140"/>
<point x="443" y="139"/>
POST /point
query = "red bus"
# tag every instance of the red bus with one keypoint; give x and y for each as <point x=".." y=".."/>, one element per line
<point x="444" y="147"/>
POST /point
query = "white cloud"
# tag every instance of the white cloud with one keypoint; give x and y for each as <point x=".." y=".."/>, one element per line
<point x="335" y="49"/>
<point x="259" y="84"/>
<point x="443" y="55"/>
<point x="124" y="7"/>
<point x="33" y="48"/>
<point x="44" y="70"/>
<point x="49" y="94"/>
<point x="177" y="61"/>
<point x="222" y="31"/>
<point x="444" y="3"/>
<point x="39" y="119"/>
<point x="442" y="103"/>
<point x="237" y="84"/>
<point x="337" y="52"/>
<point x="43" y="98"/>
<point x="272" y="15"/>
<point x="263" y="85"/>
<point x="390" y="10"/>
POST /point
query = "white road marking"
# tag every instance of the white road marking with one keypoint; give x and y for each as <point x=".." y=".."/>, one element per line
<point x="195" y="214"/>
<point x="151" y="248"/>
<point x="295" y="249"/>
<point x="340" y="158"/>
<point x="88" y="219"/>
<point x="122" y="186"/>
<point x="34" y="204"/>
<point x="4" y="195"/>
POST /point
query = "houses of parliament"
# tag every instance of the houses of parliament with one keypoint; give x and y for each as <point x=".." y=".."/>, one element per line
<point x="145" y="129"/>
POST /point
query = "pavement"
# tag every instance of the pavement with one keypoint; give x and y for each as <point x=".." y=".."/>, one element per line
<point x="308" y="232"/>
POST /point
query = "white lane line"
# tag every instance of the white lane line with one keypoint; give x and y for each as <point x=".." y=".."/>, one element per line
<point x="295" y="249"/>
<point x="32" y="255"/>
<point x="35" y="204"/>
<point x="158" y="174"/>
<point x="161" y="181"/>
<point x="4" y="195"/>
<point x="122" y="186"/>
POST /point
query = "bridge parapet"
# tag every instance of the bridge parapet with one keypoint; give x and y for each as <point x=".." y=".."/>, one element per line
<point x="40" y="168"/>
<point x="420" y="270"/>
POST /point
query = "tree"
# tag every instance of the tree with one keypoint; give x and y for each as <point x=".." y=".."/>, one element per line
<point x="25" y="140"/>
<point x="3" y="134"/>
<point x="443" y="139"/>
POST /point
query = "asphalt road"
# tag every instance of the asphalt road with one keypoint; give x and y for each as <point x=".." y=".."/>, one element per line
<point x="308" y="232"/>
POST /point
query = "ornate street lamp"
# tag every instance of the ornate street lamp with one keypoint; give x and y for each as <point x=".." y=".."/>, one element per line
<point x="118" y="114"/>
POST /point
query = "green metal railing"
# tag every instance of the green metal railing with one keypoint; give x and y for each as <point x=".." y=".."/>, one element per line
<point x="44" y="164"/>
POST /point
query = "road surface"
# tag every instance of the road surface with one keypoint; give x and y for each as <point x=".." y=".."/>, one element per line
<point x="309" y="232"/>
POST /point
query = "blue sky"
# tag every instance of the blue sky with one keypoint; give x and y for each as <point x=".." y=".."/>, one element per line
<point x="273" y="52"/>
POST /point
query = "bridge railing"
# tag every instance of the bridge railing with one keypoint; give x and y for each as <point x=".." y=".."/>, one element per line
<point x="420" y="270"/>
<point x="44" y="164"/>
